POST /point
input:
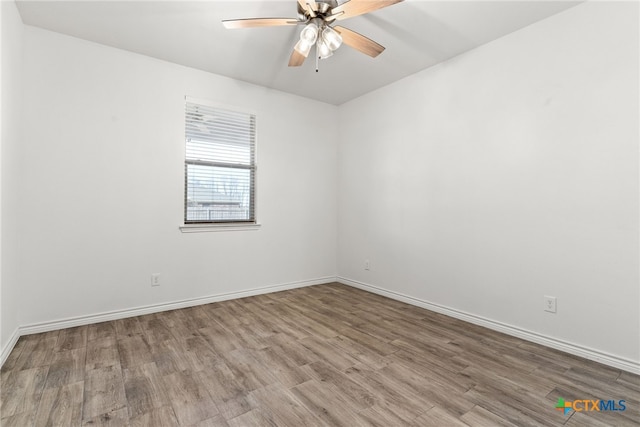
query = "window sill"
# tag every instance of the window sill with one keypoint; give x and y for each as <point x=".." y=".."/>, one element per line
<point x="204" y="228"/>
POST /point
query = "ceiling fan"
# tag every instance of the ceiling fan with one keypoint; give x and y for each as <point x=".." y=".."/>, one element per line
<point x="319" y="17"/>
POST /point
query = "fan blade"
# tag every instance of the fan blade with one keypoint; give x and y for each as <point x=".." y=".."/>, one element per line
<point x="359" y="7"/>
<point x="332" y="17"/>
<point x="296" y="59"/>
<point x="304" y="8"/>
<point x="312" y="4"/>
<point x="359" y="42"/>
<point x="258" y="22"/>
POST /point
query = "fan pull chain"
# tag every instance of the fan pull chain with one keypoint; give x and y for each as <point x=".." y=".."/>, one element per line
<point x="317" y="57"/>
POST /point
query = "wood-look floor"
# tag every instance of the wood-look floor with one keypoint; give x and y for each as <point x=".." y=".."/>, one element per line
<point x="322" y="355"/>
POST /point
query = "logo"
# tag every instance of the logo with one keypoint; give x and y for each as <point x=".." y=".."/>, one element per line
<point x="588" y="405"/>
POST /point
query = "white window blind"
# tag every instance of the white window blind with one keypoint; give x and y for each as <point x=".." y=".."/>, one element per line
<point x="220" y="165"/>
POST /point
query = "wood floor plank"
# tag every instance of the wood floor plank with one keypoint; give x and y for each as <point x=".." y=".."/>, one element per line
<point x="259" y="327"/>
<point x="329" y="352"/>
<point x="18" y="420"/>
<point x="293" y="349"/>
<point x="115" y="418"/>
<point x="102" y="353"/>
<point x="477" y="352"/>
<point x="286" y="410"/>
<point x="220" y="338"/>
<point x="216" y="421"/>
<point x="228" y="394"/>
<point x="438" y="394"/>
<point x="434" y="354"/>
<point x="170" y="357"/>
<point x="510" y="380"/>
<point x="155" y="329"/>
<point x="101" y="330"/>
<point x="104" y="392"/>
<point x="248" y="338"/>
<point x="282" y="367"/>
<point x="72" y="338"/>
<point x="134" y="350"/>
<point x="354" y="394"/>
<point x="333" y="323"/>
<point x="376" y="346"/>
<point x="41" y="353"/>
<point x="158" y="417"/>
<point x="517" y="408"/>
<point x="480" y="417"/>
<point x="248" y="371"/>
<point x="200" y="354"/>
<point x="582" y="420"/>
<point x="143" y="389"/>
<point x="223" y="314"/>
<point x="61" y="406"/>
<point x="391" y="396"/>
<point x="127" y="327"/>
<point x="437" y="417"/>
<point x="358" y="352"/>
<point x="447" y="381"/>
<point x="189" y="398"/>
<point x="23" y="349"/>
<point x="326" y="355"/>
<point x="378" y="328"/>
<point x="284" y="324"/>
<point x="188" y="319"/>
<point x="629" y="381"/>
<point x="67" y="367"/>
<point x="600" y="379"/>
<point x="13" y="357"/>
<point x="325" y="402"/>
<point x="377" y="416"/>
<point x="311" y="326"/>
<point x="24" y="392"/>
<point x="600" y="419"/>
<point x="253" y="418"/>
<point x="271" y="326"/>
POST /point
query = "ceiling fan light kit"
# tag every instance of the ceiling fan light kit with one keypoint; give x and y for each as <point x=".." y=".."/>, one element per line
<point x="318" y="16"/>
<point x="318" y="33"/>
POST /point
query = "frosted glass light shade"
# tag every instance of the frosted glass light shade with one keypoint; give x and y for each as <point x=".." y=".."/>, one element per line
<point x="303" y="47"/>
<point x="332" y="38"/>
<point x="323" y="50"/>
<point x="309" y="33"/>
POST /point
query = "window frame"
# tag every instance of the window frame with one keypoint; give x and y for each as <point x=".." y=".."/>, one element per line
<point x="221" y="225"/>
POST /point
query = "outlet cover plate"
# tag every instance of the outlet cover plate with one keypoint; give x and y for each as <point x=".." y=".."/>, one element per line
<point x="549" y="304"/>
<point x="155" y="279"/>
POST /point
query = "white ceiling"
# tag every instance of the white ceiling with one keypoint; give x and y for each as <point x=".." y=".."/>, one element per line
<point x="417" y="35"/>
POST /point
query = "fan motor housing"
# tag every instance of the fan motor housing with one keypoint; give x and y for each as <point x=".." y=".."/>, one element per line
<point x="324" y="8"/>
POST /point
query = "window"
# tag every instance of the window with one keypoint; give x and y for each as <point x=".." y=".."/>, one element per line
<point x="220" y="165"/>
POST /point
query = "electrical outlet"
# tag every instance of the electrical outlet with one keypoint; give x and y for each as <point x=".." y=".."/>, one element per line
<point x="155" y="279"/>
<point x="367" y="264"/>
<point x="550" y="304"/>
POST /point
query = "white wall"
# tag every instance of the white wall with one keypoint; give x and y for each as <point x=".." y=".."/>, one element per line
<point x="101" y="193"/>
<point x="10" y="90"/>
<point x="505" y="174"/>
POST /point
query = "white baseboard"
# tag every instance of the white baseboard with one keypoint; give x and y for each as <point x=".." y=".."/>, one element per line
<point x="6" y="350"/>
<point x="70" y="322"/>
<point x="588" y="353"/>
